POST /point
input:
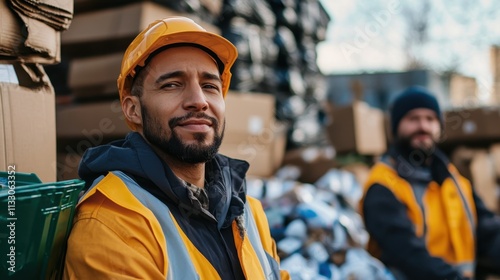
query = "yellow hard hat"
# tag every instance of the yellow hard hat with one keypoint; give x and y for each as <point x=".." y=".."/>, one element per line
<point x="169" y="31"/>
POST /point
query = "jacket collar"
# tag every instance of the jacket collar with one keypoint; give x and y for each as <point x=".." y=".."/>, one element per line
<point x="134" y="156"/>
<point x="226" y="188"/>
<point x="414" y="165"/>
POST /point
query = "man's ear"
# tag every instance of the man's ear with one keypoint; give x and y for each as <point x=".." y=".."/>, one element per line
<point x="131" y="107"/>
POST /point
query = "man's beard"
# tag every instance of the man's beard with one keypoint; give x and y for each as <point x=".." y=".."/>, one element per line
<point x="416" y="154"/>
<point x="173" y="146"/>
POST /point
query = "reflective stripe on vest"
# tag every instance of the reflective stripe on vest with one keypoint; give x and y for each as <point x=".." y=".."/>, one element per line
<point x="466" y="269"/>
<point x="269" y="265"/>
<point x="181" y="265"/>
<point x="468" y="211"/>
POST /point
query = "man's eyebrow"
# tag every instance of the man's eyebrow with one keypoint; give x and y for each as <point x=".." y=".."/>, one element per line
<point x="211" y="76"/>
<point x="168" y="76"/>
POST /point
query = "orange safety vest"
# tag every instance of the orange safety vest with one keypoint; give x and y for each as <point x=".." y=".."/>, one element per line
<point x="116" y="202"/>
<point x="449" y="224"/>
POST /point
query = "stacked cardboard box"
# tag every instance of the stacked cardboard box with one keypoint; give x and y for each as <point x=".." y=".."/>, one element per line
<point x="495" y="69"/>
<point x="27" y="120"/>
<point x="472" y="125"/>
<point x="29" y="37"/>
<point x="312" y="162"/>
<point x="482" y="167"/>
<point x="252" y="133"/>
<point x="357" y="128"/>
<point x="463" y="91"/>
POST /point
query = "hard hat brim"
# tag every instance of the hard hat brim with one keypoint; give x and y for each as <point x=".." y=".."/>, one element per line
<point x="224" y="50"/>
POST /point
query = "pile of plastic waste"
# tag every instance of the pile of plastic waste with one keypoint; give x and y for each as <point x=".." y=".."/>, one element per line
<point x="318" y="230"/>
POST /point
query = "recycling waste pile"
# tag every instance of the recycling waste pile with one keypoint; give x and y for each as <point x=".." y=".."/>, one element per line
<point x="317" y="228"/>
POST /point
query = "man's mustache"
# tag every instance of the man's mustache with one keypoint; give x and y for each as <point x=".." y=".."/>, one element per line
<point x="198" y="115"/>
<point x="421" y="133"/>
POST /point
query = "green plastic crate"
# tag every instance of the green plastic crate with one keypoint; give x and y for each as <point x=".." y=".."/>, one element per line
<point x="37" y="225"/>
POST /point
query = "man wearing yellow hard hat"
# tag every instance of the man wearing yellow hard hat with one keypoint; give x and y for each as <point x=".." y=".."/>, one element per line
<point x="162" y="203"/>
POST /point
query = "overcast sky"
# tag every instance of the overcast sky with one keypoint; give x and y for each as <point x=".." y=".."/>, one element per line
<point x="369" y="36"/>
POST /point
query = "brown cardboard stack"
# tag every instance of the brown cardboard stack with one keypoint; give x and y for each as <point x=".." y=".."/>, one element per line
<point x="484" y="178"/>
<point x="90" y="123"/>
<point x="29" y="36"/>
<point x="112" y="29"/>
<point x="357" y="128"/>
<point x="463" y="91"/>
<point x="31" y="30"/>
<point x="95" y="76"/>
<point x="312" y="162"/>
<point x="482" y="167"/>
<point x="472" y="125"/>
<point x="252" y="133"/>
<point x="477" y="132"/>
<point x="27" y="120"/>
<point x="209" y="10"/>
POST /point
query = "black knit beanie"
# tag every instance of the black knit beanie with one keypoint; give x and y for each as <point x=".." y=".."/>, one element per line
<point x="412" y="98"/>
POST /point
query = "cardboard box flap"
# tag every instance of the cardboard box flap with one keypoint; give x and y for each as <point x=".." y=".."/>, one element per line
<point x="57" y="14"/>
<point x="31" y="75"/>
<point x="54" y="6"/>
<point x="25" y="75"/>
<point x="11" y="37"/>
<point x="41" y="37"/>
<point x="26" y="39"/>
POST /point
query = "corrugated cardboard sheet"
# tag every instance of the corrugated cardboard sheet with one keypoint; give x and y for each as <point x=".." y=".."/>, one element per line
<point x="27" y="122"/>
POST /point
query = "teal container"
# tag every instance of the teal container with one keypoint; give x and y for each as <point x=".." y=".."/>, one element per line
<point x="35" y="221"/>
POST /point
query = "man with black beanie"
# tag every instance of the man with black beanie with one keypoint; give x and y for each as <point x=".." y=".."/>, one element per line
<point x="424" y="219"/>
